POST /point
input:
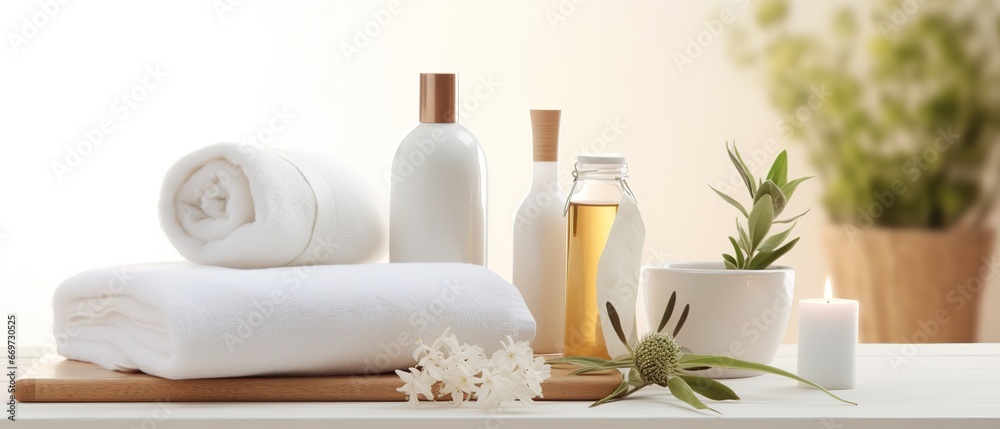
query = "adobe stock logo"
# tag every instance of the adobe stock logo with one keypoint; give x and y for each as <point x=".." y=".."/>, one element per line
<point x="74" y="154"/>
<point x="713" y="30"/>
<point x="30" y="27"/>
<point x="225" y="7"/>
<point x="901" y="14"/>
<point x="364" y="34"/>
<point x="562" y="12"/>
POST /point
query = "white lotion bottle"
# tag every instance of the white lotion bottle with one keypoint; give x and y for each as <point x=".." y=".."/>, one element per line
<point x="540" y="238"/>
<point x="437" y="203"/>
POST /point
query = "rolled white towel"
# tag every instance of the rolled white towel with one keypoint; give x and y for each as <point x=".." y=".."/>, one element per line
<point x="179" y="321"/>
<point x="247" y="207"/>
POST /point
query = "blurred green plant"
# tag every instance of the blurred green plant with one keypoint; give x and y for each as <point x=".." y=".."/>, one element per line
<point x="901" y="123"/>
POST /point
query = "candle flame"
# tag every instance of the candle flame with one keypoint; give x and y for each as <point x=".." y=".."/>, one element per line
<point x="828" y="290"/>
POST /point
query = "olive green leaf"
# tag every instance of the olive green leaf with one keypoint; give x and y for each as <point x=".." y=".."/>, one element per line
<point x="587" y="364"/>
<point x="732" y="363"/>
<point x="709" y="388"/>
<point x="739" y="253"/>
<point x="742" y="169"/>
<point x="744" y="237"/>
<point x="775" y="240"/>
<point x="580" y="361"/>
<point x="730" y="200"/>
<point x="753" y="187"/>
<point x="633" y="383"/>
<point x="778" y="200"/>
<point x="634" y="378"/>
<point x="615" y="364"/>
<point x="793" y="218"/>
<point x="635" y="388"/>
<point x="789" y="188"/>
<point x="730" y="261"/>
<point x="620" y="391"/>
<point x="680" y="389"/>
<point x="684" y="318"/>
<point x="763" y="259"/>
<point x="668" y="312"/>
<point x="779" y="169"/>
<point x="617" y="324"/>
<point x="697" y="368"/>
<point x="759" y="223"/>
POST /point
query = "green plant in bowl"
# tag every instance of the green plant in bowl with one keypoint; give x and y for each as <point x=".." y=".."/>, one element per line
<point x="753" y="249"/>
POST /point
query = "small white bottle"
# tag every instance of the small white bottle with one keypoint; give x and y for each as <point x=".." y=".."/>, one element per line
<point x="437" y="204"/>
<point x="540" y="238"/>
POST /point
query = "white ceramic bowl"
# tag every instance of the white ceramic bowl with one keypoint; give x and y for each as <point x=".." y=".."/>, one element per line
<point x="737" y="313"/>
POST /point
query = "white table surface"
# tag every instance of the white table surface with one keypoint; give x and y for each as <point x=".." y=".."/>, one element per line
<point x="898" y="386"/>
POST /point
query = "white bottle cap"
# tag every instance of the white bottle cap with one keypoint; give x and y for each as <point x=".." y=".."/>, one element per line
<point x="601" y="158"/>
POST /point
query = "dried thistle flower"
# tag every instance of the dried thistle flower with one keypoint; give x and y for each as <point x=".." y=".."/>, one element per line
<point x="658" y="359"/>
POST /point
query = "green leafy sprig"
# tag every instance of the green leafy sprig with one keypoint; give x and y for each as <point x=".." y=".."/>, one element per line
<point x="659" y="360"/>
<point x="753" y="249"/>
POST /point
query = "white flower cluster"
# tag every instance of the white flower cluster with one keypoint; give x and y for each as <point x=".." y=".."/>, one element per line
<point x="513" y="373"/>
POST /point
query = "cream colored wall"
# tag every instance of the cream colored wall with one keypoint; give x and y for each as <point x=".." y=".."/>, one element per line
<point x="608" y="65"/>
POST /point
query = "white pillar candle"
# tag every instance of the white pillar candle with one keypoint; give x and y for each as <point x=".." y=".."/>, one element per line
<point x="828" y="340"/>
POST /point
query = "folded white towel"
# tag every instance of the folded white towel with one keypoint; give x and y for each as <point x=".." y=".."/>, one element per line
<point x="179" y="321"/>
<point x="240" y="206"/>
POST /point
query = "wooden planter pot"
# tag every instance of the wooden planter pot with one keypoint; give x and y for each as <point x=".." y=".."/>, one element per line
<point x="914" y="286"/>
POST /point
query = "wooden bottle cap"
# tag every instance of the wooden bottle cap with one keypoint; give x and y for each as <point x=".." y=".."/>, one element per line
<point x="545" y="134"/>
<point x="438" y="95"/>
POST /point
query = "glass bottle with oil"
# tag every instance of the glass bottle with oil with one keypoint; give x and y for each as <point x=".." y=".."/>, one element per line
<point x="598" y="186"/>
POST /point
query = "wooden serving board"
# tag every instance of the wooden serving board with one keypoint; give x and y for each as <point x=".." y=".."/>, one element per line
<point x="75" y="381"/>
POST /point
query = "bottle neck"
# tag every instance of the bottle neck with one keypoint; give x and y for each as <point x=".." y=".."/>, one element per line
<point x="599" y="183"/>
<point x="545" y="172"/>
